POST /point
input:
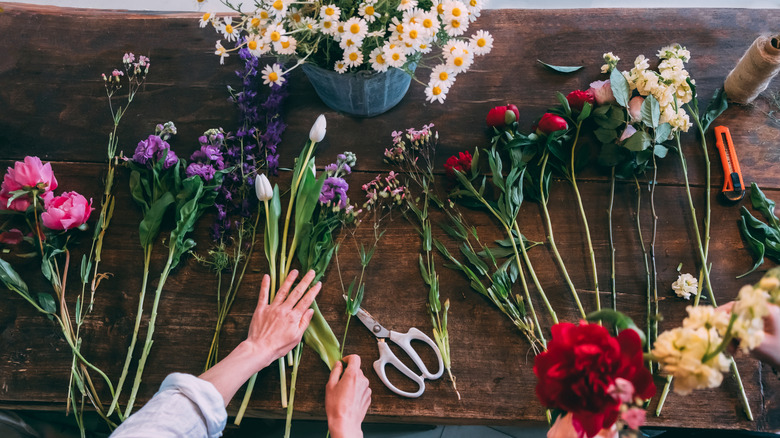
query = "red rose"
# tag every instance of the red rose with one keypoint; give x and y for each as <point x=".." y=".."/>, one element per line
<point x="502" y="115"/>
<point x="578" y="371"/>
<point x="460" y="162"/>
<point x="577" y="99"/>
<point x="550" y="123"/>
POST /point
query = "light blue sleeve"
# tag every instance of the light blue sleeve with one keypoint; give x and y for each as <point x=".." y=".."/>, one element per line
<point x="185" y="406"/>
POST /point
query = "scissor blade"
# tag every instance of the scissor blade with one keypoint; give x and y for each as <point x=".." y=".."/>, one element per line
<point x="372" y="325"/>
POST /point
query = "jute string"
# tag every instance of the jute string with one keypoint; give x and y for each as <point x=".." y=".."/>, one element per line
<point x="754" y="70"/>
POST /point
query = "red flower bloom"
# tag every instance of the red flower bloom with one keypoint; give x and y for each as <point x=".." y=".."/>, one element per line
<point x="460" y="162"/>
<point x="579" y="369"/>
<point x="577" y="99"/>
<point x="550" y="123"/>
<point x="502" y="115"/>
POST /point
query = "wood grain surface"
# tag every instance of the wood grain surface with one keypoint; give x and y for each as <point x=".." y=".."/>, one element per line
<point x="52" y="104"/>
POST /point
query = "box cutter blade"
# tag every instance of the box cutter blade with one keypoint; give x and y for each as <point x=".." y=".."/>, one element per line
<point x="733" y="184"/>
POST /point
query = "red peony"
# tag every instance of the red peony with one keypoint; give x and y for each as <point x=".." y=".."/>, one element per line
<point x="577" y="99"/>
<point x="502" y="115"/>
<point x="460" y="162"/>
<point x="550" y="123"/>
<point x="578" y="373"/>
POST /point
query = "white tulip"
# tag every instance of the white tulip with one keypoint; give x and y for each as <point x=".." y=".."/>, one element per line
<point x="317" y="132"/>
<point x="263" y="188"/>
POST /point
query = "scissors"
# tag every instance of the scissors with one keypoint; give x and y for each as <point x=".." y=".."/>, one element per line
<point x="387" y="357"/>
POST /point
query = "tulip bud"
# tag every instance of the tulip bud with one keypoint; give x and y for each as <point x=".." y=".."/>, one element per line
<point x="550" y="123"/>
<point x="317" y="132"/>
<point x="635" y="108"/>
<point x="263" y="188"/>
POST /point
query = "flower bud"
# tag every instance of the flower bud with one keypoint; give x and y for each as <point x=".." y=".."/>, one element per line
<point x="577" y="99"/>
<point x="317" y="132"/>
<point x="502" y="115"/>
<point x="602" y="91"/>
<point x="550" y="123"/>
<point x="627" y="133"/>
<point x="635" y="108"/>
<point x="263" y="188"/>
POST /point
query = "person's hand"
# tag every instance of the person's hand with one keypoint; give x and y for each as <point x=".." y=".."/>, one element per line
<point x="347" y="398"/>
<point x="769" y="350"/>
<point x="276" y="328"/>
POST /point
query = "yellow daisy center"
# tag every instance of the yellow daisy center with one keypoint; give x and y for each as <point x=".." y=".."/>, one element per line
<point x="327" y="24"/>
<point x="206" y="16"/>
<point x="278" y="5"/>
<point x="413" y="34"/>
<point x="427" y="23"/>
<point x="252" y="45"/>
<point x="458" y="61"/>
<point x="329" y="11"/>
<point x="273" y="76"/>
<point x="380" y="59"/>
<point x="353" y="56"/>
<point x="423" y="46"/>
<point x="473" y="3"/>
<point x="369" y="10"/>
<point x="436" y="91"/>
<point x="399" y="28"/>
<point x="455" y="24"/>
<point x="481" y="42"/>
<point x="255" y="22"/>
<point x="264" y="15"/>
<point x="440" y="8"/>
<point x="341" y="28"/>
<point x="275" y="36"/>
<point x="396" y="56"/>
<point x="228" y="29"/>
<point x="443" y="76"/>
<point x="285" y="44"/>
<point x="455" y="11"/>
<point x="355" y="28"/>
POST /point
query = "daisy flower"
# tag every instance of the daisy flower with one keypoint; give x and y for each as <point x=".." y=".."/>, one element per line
<point x="262" y="16"/>
<point x="330" y="12"/>
<point x="396" y="26"/>
<point x="474" y="7"/>
<point x="376" y="34"/>
<point x="414" y="35"/>
<point x="257" y="47"/>
<point x="294" y="16"/>
<point x="347" y="43"/>
<point x="200" y="3"/>
<point x="309" y="23"/>
<point x="407" y="4"/>
<point x="424" y="48"/>
<point x="272" y="75"/>
<point x="394" y="55"/>
<point x="442" y="76"/>
<point x="353" y="57"/>
<point x="454" y="10"/>
<point x="438" y="6"/>
<point x="329" y="27"/>
<point x="377" y="60"/>
<point x="456" y="26"/>
<point x="286" y="45"/>
<point x="228" y="31"/>
<point x="274" y="32"/>
<point x="207" y="18"/>
<point x="367" y="10"/>
<point x="435" y="94"/>
<point x="356" y="28"/>
<point x="221" y="51"/>
<point x="340" y="67"/>
<point x="430" y="22"/>
<point x="279" y="8"/>
<point x="458" y="56"/>
<point x="481" y="43"/>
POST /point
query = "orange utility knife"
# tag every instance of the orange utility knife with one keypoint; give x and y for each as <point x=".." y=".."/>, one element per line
<point x="733" y="184"/>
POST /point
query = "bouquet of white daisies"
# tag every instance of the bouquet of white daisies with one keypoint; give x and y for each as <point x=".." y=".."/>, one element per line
<point x="353" y="35"/>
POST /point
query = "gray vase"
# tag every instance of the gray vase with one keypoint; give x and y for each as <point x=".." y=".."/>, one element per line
<point x="362" y="93"/>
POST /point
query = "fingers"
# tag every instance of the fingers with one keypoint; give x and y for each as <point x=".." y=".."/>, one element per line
<point x="353" y="362"/>
<point x="306" y="319"/>
<point x="299" y="290"/>
<point x="265" y="286"/>
<point x="281" y="295"/>
<point x="335" y="374"/>
<point x="308" y="298"/>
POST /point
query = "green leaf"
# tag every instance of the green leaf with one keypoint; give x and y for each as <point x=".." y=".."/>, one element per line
<point x="12" y="280"/>
<point x="763" y="204"/>
<point x="564" y="103"/>
<point x="86" y="266"/>
<point x="477" y="262"/>
<point x="618" y="320"/>
<point x="605" y="135"/>
<point x="137" y="190"/>
<point x="651" y="111"/>
<point x="660" y="151"/>
<point x="271" y="231"/>
<point x="560" y="68"/>
<point x="638" y="142"/>
<point x="149" y="227"/>
<point x="759" y="229"/>
<point x="475" y="163"/>
<point x="620" y="88"/>
<point x="47" y="303"/>
<point x="423" y="270"/>
<point x="755" y="245"/>
<point x="319" y="336"/>
<point x="718" y="104"/>
<point x="662" y="132"/>
<point x="586" y="109"/>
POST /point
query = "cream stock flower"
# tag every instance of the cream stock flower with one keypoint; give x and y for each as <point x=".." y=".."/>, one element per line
<point x="686" y="284"/>
<point x="706" y="317"/>
<point x="680" y="352"/>
<point x="750" y="308"/>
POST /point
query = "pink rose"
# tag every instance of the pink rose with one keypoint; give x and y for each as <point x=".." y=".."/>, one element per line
<point x="69" y="210"/>
<point x="602" y="91"/>
<point x="635" y="108"/>
<point x="27" y="174"/>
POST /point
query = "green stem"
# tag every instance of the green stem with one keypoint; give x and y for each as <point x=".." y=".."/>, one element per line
<point x="647" y="268"/>
<point x="551" y="239"/>
<point x="533" y="275"/>
<point x="150" y="331"/>
<point x="288" y="423"/>
<point x="344" y="339"/>
<point x="134" y="338"/>
<point x="245" y="401"/>
<point x="585" y="219"/>
<point x="653" y="335"/>
<point x="525" y="285"/>
<point x="665" y="392"/>
<point x="612" y="240"/>
<point x="293" y="192"/>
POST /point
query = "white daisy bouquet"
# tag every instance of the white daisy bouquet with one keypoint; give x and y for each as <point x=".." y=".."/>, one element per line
<point x="353" y="35"/>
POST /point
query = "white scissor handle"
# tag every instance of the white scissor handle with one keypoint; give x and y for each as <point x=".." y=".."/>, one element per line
<point x="404" y="340"/>
<point x="386" y="356"/>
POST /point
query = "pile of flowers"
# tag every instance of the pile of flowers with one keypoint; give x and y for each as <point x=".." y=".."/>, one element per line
<point x="356" y="35"/>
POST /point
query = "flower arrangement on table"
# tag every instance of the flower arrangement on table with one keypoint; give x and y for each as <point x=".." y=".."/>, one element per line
<point x="351" y="35"/>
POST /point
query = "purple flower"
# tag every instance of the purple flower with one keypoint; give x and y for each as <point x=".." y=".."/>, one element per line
<point x="332" y="188"/>
<point x="331" y="168"/>
<point x="205" y="171"/>
<point x="165" y="153"/>
<point x="147" y="149"/>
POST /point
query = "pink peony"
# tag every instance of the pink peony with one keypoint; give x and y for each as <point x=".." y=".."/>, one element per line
<point x="27" y="174"/>
<point x="602" y="91"/>
<point x="67" y="211"/>
<point x="635" y="108"/>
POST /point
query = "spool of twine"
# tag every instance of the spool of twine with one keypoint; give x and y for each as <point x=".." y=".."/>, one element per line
<point x="754" y="70"/>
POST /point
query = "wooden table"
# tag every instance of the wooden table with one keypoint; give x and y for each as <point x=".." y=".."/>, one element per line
<point x="52" y="104"/>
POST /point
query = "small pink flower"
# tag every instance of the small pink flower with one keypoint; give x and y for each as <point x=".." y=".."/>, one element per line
<point x="11" y="237"/>
<point x="621" y="390"/>
<point x="634" y="417"/>
<point x="630" y="130"/>
<point x="602" y="91"/>
<point x="67" y="211"/>
<point x="635" y="108"/>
